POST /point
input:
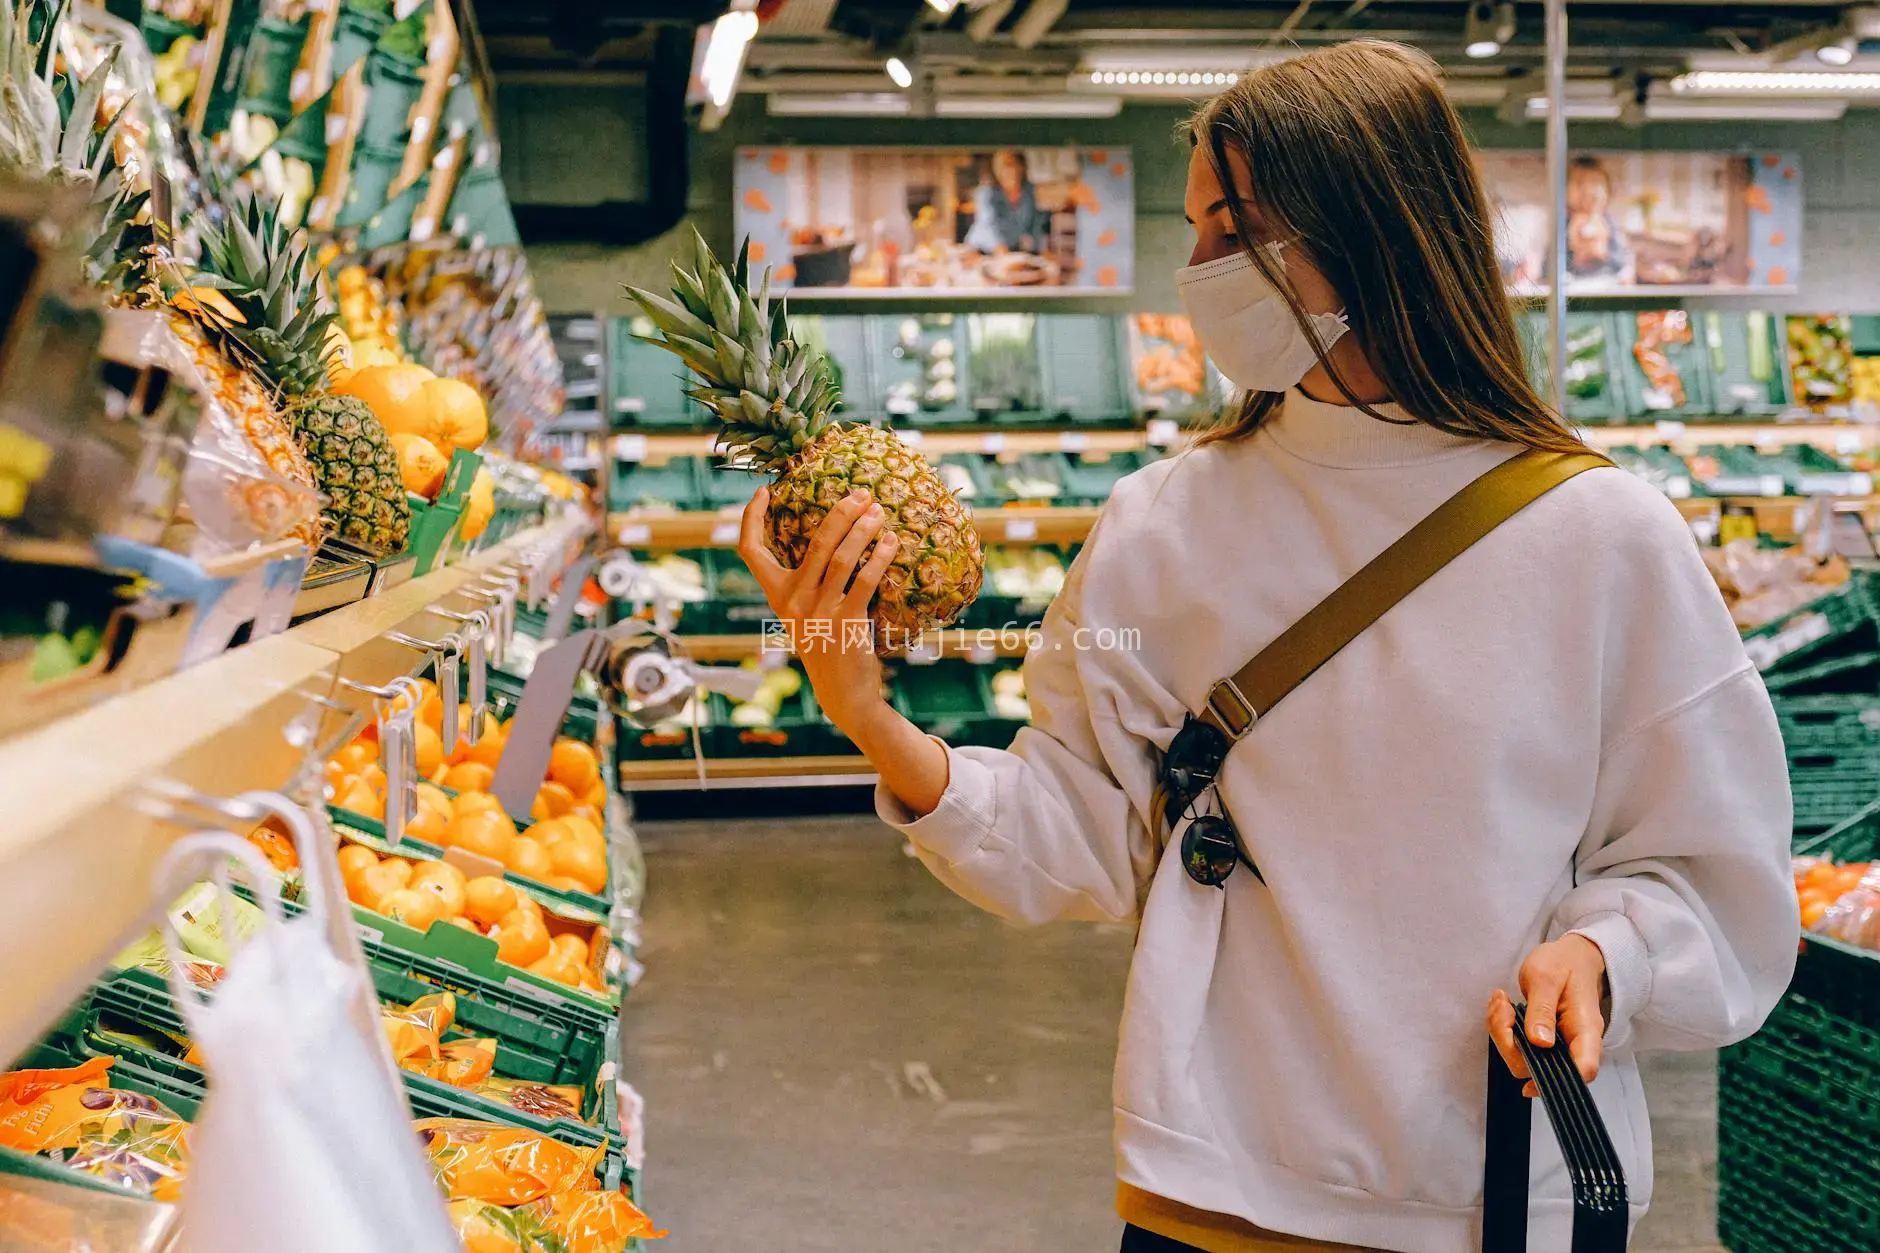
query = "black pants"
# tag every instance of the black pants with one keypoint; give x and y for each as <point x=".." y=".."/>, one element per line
<point x="1136" y="1240"/>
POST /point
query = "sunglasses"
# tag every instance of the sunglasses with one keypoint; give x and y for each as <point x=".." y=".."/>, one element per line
<point x="1210" y="846"/>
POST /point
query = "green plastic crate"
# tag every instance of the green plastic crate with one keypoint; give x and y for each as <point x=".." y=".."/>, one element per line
<point x="953" y="700"/>
<point x="1595" y="387"/>
<point x="393" y="85"/>
<point x="145" y="1001"/>
<point x="645" y="485"/>
<point x="902" y="364"/>
<point x="1088" y="481"/>
<point x="1689" y="361"/>
<point x="583" y="907"/>
<point x="646" y="385"/>
<point x="369" y="185"/>
<point x="272" y="56"/>
<point x="1843" y="623"/>
<point x="1747" y="361"/>
<point x="1085" y="358"/>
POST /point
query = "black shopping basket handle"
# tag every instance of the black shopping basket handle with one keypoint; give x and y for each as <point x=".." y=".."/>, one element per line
<point x="1600" y="1216"/>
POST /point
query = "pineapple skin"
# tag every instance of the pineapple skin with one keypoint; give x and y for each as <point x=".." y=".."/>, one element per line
<point x="939" y="566"/>
<point x="355" y="465"/>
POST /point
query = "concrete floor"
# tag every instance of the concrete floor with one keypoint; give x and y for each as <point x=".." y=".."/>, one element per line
<point x="839" y="1056"/>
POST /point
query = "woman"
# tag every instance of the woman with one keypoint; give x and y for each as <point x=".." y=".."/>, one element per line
<point x="1549" y="771"/>
<point x="1006" y="217"/>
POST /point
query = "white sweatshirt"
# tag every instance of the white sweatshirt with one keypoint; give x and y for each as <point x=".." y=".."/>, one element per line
<point x="1558" y="732"/>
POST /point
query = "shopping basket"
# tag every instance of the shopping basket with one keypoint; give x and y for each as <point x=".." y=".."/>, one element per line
<point x="1600" y="1218"/>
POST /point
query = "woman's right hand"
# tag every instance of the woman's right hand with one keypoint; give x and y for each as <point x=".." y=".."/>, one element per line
<point x="825" y="601"/>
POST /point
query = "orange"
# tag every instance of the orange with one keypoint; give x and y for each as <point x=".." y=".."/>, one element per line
<point x="479" y="505"/>
<point x="596" y="798"/>
<point x="551" y="801"/>
<point x="361" y="799"/>
<point x="401" y="868"/>
<point x="483" y="833"/>
<point x="426" y="690"/>
<point x="356" y="756"/>
<point x="445" y="882"/>
<point x="574" y="765"/>
<point x="458" y="416"/>
<point x="547" y="832"/>
<point x="489" y="750"/>
<point x="469" y="776"/>
<point x="428" y="825"/>
<point x="373" y="777"/>
<point x="430" y="750"/>
<point x="458" y="920"/>
<point x="520" y="938"/>
<point x="431" y="712"/>
<point x="580" y="824"/>
<point x="336" y="776"/>
<point x="476" y="800"/>
<point x="431" y="796"/>
<point x="395" y="394"/>
<point x="420" y="465"/>
<point x="526" y="902"/>
<point x="528" y="858"/>
<point x="570" y="945"/>
<point x="558" y="967"/>
<point x="487" y="898"/>
<point x="580" y="861"/>
<point x="414" y="907"/>
<point x="562" y="883"/>
<point x="375" y="885"/>
<point x="355" y="860"/>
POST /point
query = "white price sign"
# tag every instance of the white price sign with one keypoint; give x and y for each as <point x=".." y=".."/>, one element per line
<point x="724" y="534"/>
<point x="994" y="442"/>
<point x="1021" y="530"/>
<point x="635" y="533"/>
<point x="1162" y="432"/>
<point x="1072" y="441"/>
<point x="912" y="438"/>
<point x="628" y="448"/>
<point x="1668" y="429"/>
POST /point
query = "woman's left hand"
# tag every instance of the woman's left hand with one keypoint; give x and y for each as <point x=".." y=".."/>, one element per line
<point x="1563" y="981"/>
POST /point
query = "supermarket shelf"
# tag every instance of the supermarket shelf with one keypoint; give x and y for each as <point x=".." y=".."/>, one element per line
<point x="1025" y="524"/>
<point x="1838" y="437"/>
<point x="974" y="645"/>
<point x="80" y="836"/>
<point x="746" y="772"/>
<point x="1777" y="516"/>
<point x="658" y="448"/>
<point x="1834" y="436"/>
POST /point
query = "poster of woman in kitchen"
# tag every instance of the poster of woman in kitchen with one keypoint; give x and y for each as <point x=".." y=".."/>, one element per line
<point x="1650" y="220"/>
<point x="1023" y="221"/>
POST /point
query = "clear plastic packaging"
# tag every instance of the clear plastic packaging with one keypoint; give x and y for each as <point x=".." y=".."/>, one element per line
<point x="480" y="1161"/>
<point x="1855" y="917"/>
<point x="52" y="1216"/>
<point x="1763" y="584"/>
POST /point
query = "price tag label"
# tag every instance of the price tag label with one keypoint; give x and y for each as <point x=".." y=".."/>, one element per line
<point x="300" y="86"/>
<point x="901" y="406"/>
<point x="1678" y="487"/>
<point x="1021" y="530"/>
<point x="1847" y="443"/>
<point x="1073" y="441"/>
<point x="724" y="534"/>
<point x="420" y="129"/>
<point x="335" y="128"/>
<point x="1771" y="485"/>
<point x="982" y="655"/>
<point x="630" y="404"/>
<point x="1163" y="432"/>
<point x="923" y="654"/>
<point x="628" y="447"/>
<point x="1668" y="428"/>
<point x="635" y="533"/>
<point x="994" y="442"/>
<point x="913" y="439"/>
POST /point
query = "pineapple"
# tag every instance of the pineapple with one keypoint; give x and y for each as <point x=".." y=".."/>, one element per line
<point x="265" y="309"/>
<point x="775" y="399"/>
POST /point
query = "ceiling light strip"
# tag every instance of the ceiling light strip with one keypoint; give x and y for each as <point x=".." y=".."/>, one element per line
<point x="1789" y="82"/>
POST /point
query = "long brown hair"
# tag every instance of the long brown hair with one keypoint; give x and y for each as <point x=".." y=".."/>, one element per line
<point x="1358" y="158"/>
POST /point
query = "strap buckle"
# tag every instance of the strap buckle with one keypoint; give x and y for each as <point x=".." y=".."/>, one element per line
<point x="1231" y="708"/>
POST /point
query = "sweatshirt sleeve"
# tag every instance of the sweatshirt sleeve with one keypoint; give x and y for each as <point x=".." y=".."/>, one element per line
<point x="1684" y="878"/>
<point x="1047" y="829"/>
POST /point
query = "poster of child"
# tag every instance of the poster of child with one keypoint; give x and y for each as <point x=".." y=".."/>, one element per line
<point x="1595" y="244"/>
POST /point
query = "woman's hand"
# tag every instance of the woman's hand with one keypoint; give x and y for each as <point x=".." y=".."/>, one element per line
<point x="1563" y="982"/>
<point x="825" y="600"/>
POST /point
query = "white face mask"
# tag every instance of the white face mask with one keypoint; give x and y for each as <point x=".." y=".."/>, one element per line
<point x="1246" y="326"/>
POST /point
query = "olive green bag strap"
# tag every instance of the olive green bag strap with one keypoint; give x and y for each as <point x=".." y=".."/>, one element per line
<point x="1236" y="703"/>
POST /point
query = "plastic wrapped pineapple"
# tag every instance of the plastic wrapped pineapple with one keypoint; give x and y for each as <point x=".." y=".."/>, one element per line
<point x="777" y="402"/>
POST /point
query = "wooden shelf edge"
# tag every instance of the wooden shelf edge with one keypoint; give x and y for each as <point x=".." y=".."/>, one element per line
<point x="681" y="774"/>
<point x="984" y="644"/>
<point x="1023" y="524"/>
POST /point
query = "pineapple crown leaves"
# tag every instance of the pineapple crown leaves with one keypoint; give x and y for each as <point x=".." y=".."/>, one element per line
<point x="37" y="136"/>
<point x="773" y="394"/>
<point x="267" y="273"/>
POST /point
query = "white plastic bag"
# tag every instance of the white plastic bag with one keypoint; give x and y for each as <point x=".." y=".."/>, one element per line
<point x="304" y="1144"/>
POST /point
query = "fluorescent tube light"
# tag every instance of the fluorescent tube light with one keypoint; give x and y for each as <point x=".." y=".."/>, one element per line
<point x="895" y="104"/>
<point x="1778" y="82"/>
<point x="1742" y="109"/>
<point x="1577" y="110"/>
<point x="943" y="7"/>
<point x="724" y="55"/>
<point x="898" y="71"/>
